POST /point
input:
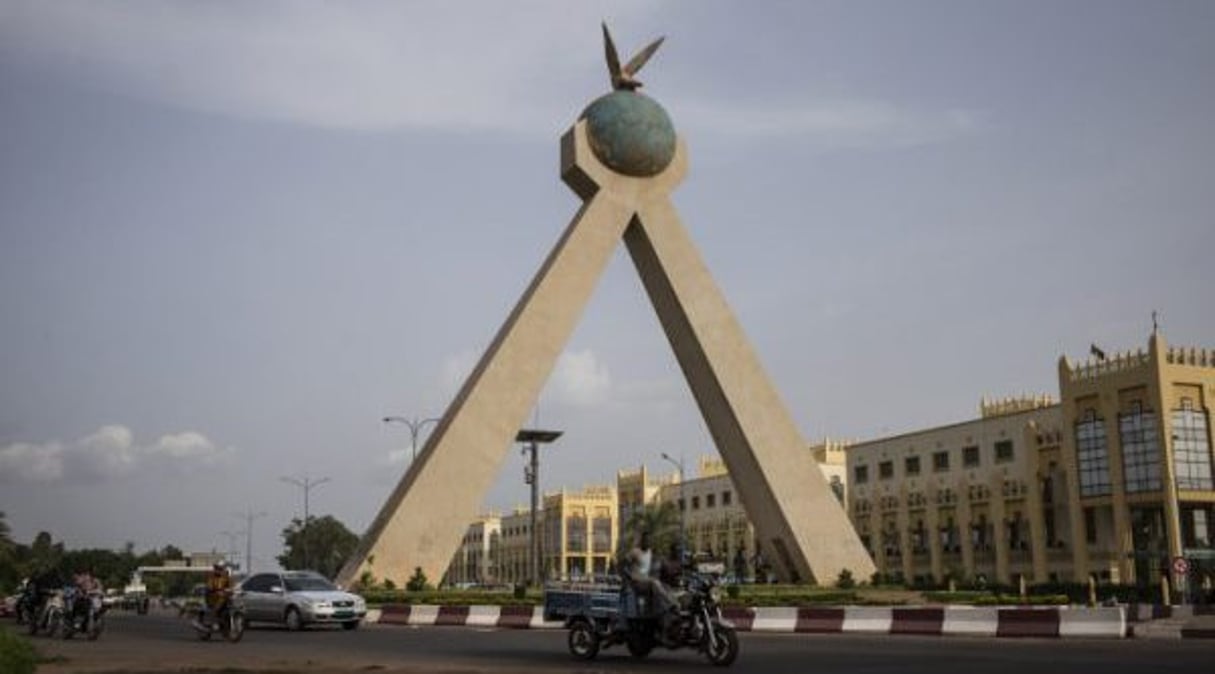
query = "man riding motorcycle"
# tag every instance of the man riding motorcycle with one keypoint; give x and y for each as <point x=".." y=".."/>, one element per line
<point x="219" y="591"/>
<point x="641" y="571"/>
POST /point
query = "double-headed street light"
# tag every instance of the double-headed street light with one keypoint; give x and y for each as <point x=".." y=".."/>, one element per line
<point x="682" y="504"/>
<point x="306" y="483"/>
<point x="415" y="427"/>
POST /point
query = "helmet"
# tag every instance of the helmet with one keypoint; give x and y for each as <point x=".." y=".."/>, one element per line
<point x="220" y="565"/>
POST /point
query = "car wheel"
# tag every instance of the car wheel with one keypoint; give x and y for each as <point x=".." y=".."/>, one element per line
<point x="293" y="619"/>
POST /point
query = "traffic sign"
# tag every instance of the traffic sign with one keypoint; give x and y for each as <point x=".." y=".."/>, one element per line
<point x="1181" y="566"/>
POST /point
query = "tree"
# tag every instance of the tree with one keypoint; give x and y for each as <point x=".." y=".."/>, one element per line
<point x="8" y="556"/>
<point x="328" y="543"/>
<point x="661" y="520"/>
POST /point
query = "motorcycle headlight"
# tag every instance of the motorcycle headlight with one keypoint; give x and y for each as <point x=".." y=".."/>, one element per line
<point x="715" y="594"/>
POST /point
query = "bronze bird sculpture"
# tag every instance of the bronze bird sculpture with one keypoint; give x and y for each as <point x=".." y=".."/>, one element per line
<point x="625" y="78"/>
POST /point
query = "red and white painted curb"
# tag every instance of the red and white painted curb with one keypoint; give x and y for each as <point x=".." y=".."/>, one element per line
<point x="987" y="621"/>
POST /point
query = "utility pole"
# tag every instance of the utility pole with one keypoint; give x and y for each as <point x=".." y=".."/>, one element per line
<point x="248" y="516"/>
<point x="306" y="483"/>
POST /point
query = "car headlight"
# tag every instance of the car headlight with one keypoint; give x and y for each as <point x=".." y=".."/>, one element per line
<point x="319" y="604"/>
<point x="360" y="604"/>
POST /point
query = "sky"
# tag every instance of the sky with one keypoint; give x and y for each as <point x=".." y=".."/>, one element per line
<point x="234" y="236"/>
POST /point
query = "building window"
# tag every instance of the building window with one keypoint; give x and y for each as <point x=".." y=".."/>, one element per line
<point x="1140" y="450"/>
<point x="911" y="466"/>
<point x="1090" y="526"/>
<point x="726" y="498"/>
<point x="970" y="457"/>
<point x="1191" y="451"/>
<point x="1092" y="455"/>
<point x="695" y="503"/>
<point x="1004" y="451"/>
<point x="710" y="500"/>
<point x="575" y="533"/>
<point x="860" y="474"/>
<point x="940" y="461"/>
<point x="886" y="470"/>
<point x="682" y="505"/>
<point x="601" y="535"/>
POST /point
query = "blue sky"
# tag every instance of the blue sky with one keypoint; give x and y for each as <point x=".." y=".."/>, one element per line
<point x="235" y="235"/>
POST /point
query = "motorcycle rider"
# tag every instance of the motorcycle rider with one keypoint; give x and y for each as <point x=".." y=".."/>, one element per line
<point x="219" y="589"/>
<point x="641" y="573"/>
<point x="85" y="585"/>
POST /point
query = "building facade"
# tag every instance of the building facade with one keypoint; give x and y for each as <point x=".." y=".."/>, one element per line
<point x="1113" y="481"/>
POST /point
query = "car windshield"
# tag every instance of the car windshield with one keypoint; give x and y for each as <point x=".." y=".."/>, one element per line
<point x="307" y="584"/>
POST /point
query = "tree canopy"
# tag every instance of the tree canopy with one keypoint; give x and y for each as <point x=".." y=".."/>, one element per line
<point x="323" y="547"/>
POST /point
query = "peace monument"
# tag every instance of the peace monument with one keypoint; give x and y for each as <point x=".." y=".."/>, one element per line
<point x="623" y="158"/>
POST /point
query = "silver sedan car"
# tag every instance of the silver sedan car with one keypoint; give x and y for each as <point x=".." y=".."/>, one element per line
<point x="299" y="598"/>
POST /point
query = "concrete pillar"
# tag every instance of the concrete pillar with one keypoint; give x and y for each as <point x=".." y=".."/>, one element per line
<point x="932" y="519"/>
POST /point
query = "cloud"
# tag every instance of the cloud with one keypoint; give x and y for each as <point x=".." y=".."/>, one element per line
<point x="110" y="453"/>
<point x="351" y="66"/>
<point x="579" y="379"/>
<point x="855" y="123"/>
<point x="24" y="462"/>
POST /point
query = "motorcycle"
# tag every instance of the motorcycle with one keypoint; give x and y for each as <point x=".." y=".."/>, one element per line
<point x="696" y="623"/>
<point x="83" y="612"/>
<point x="229" y="621"/>
<point x="28" y="604"/>
<point x="49" y="616"/>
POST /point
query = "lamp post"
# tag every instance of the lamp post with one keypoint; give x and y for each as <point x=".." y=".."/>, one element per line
<point x="248" y="516"/>
<point x="231" y="536"/>
<point x="531" y="475"/>
<point x="306" y="483"/>
<point x="415" y="427"/>
<point x="682" y="503"/>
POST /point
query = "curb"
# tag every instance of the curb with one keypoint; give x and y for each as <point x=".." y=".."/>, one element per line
<point x="983" y="621"/>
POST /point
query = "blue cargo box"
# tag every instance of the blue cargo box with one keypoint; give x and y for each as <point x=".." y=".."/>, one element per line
<point x="563" y="601"/>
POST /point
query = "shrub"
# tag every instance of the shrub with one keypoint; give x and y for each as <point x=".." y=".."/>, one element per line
<point x="520" y="591"/>
<point x="845" y="580"/>
<point x="17" y="656"/>
<point x="733" y="590"/>
<point x="416" y="583"/>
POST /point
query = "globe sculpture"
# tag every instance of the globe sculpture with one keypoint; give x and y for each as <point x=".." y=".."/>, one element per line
<point x="630" y="133"/>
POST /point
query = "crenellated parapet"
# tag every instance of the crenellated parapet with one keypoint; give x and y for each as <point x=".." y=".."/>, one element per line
<point x="1093" y="368"/>
<point x="998" y="407"/>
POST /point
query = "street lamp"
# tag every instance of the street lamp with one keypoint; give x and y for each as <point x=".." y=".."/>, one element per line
<point x="306" y="483"/>
<point x="682" y="503"/>
<point x="531" y="475"/>
<point x="415" y="427"/>
<point x="231" y="536"/>
<point x="248" y="516"/>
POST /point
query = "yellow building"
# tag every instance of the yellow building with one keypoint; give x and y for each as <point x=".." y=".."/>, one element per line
<point x="1112" y="482"/>
<point x="579" y="532"/>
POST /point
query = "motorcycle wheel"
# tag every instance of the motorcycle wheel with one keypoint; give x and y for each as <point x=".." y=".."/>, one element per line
<point x="639" y="644"/>
<point x="583" y="640"/>
<point x="723" y="649"/>
<point x="235" y="627"/>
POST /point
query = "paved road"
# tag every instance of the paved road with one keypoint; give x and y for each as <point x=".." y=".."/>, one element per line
<point x="163" y="643"/>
